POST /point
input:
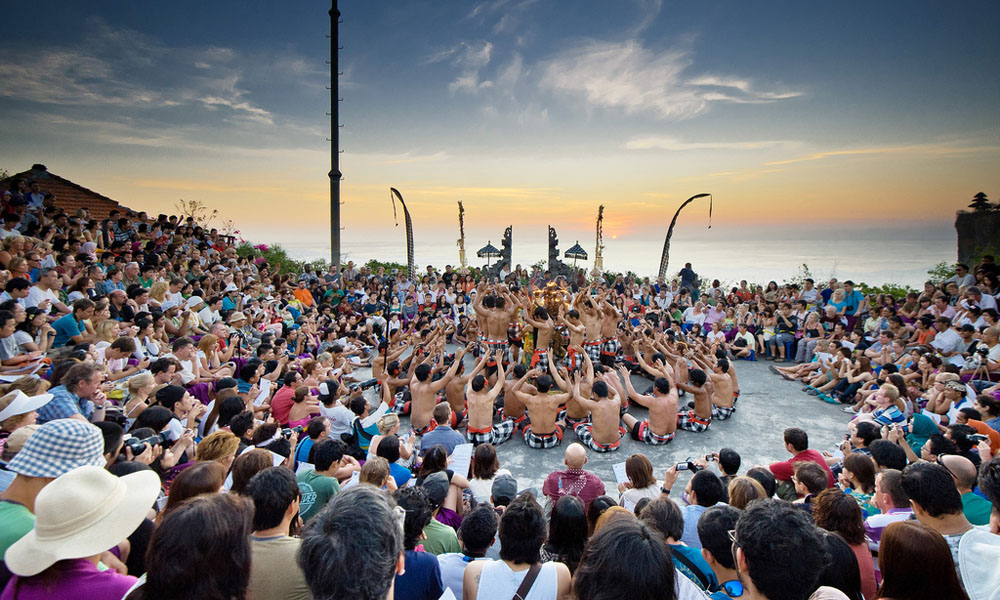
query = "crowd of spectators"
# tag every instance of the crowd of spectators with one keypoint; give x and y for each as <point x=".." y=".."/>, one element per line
<point x="180" y="421"/>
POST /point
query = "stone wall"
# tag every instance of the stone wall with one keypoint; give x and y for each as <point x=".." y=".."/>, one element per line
<point x="978" y="234"/>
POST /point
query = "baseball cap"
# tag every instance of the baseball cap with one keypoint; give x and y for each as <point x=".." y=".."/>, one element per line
<point x="230" y="288"/>
<point x="436" y="486"/>
<point x="193" y="301"/>
<point x="58" y="447"/>
<point x="504" y="488"/>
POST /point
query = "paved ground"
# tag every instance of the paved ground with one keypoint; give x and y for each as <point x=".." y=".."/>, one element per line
<point x="767" y="405"/>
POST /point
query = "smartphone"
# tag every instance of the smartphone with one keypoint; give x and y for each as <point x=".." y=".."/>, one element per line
<point x="905" y="429"/>
<point x="683" y="466"/>
<point x="978" y="437"/>
<point x="710" y="457"/>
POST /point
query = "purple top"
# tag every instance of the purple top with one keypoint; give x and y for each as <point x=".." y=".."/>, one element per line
<point x="77" y="578"/>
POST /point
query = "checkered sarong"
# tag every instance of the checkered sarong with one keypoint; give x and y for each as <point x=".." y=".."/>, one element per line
<point x="722" y="413"/>
<point x="494" y="346"/>
<point x="642" y="433"/>
<point x="692" y="422"/>
<point x="593" y="350"/>
<point x="540" y="360"/>
<point x="542" y="442"/>
<point x="585" y="431"/>
<point x="572" y="422"/>
<point x="498" y="434"/>
<point x="611" y="347"/>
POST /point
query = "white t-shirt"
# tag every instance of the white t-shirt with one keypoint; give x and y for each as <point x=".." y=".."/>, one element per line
<point x="36" y="296"/>
<point x="949" y="341"/>
<point x="187" y="369"/>
<point x="340" y="417"/>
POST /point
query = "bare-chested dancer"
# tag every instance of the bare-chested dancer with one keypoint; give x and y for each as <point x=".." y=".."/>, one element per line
<point x="574" y="413"/>
<point x="723" y="401"/>
<point x="604" y="431"/>
<point x="495" y="312"/>
<point x="481" y="429"/>
<point x="662" y="404"/>
<point x="700" y="417"/>
<point x="513" y="407"/>
<point x="543" y="431"/>
<point x="591" y="317"/>
<point x="610" y="346"/>
<point x="423" y="393"/>
<point x="577" y="332"/>
<point x="544" y="327"/>
<point x="454" y="394"/>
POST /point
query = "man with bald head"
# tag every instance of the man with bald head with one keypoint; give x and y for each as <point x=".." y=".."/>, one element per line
<point x="573" y="480"/>
<point x="975" y="507"/>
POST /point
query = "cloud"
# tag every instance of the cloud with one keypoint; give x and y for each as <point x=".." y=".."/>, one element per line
<point x="141" y="77"/>
<point x="926" y="149"/>
<point x="469" y="58"/>
<point x="651" y="142"/>
<point x="506" y="16"/>
<point x="628" y="76"/>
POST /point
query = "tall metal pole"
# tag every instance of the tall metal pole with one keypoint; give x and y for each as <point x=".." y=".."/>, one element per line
<point x="335" y="174"/>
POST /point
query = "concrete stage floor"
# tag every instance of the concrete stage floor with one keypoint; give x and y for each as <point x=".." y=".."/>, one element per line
<point x="768" y="404"/>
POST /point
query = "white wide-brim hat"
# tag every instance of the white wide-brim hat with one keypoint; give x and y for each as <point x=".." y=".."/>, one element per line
<point x="23" y="404"/>
<point x="82" y="513"/>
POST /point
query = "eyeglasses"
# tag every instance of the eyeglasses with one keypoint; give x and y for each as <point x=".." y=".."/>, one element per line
<point x="938" y="461"/>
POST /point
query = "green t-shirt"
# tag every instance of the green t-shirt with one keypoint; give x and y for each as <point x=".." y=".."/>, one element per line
<point x="440" y="538"/>
<point x="976" y="508"/>
<point x="15" y="521"/>
<point x="316" y="491"/>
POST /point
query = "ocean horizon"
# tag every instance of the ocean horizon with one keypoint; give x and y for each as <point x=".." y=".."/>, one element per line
<point x="728" y="253"/>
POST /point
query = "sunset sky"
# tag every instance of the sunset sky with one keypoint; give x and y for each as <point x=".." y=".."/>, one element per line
<point x="793" y="115"/>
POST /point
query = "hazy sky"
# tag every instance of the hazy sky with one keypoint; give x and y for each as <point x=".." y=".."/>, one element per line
<point x="792" y="114"/>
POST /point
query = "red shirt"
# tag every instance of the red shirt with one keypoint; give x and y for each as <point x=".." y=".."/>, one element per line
<point x="281" y="404"/>
<point x="573" y="482"/>
<point x="784" y="470"/>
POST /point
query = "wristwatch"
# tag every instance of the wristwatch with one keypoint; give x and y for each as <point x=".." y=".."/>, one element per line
<point x="665" y="490"/>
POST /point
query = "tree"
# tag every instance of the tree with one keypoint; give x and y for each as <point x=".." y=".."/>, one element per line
<point x="196" y="210"/>
<point x="981" y="202"/>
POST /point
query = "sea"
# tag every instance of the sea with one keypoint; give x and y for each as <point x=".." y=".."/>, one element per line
<point x="874" y="256"/>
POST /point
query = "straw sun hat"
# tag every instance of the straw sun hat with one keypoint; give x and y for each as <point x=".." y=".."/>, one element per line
<point x="80" y="514"/>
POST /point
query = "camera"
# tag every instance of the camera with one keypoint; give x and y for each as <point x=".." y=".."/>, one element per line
<point x="287" y="432"/>
<point x="364" y="385"/>
<point x="138" y="446"/>
<point x="688" y="465"/>
<point x="905" y="429"/>
<point x="983" y="350"/>
<point x="710" y="457"/>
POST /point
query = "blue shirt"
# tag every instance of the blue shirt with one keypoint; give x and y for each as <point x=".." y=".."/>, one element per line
<point x="853" y="300"/>
<point x="444" y="435"/>
<point x="228" y="304"/>
<point x="422" y="579"/>
<point x="692" y="512"/>
<point x="694" y="557"/>
<point x="66" y="327"/>
<point x="64" y="405"/>
<point x="302" y="453"/>
<point x="888" y="416"/>
<point x="400" y="473"/>
<point x="108" y="286"/>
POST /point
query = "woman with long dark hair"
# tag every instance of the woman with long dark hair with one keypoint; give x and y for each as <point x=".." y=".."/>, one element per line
<point x="201" y="550"/>
<point x="567" y="532"/>
<point x="835" y="511"/>
<point x="916" y="564"/>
